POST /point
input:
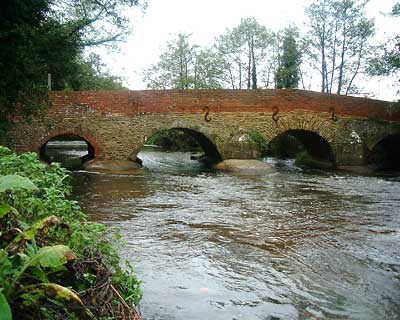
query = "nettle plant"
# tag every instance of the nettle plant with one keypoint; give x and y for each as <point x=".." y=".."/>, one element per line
<point x="25" y="268"/>
<point x="53" y="262"/>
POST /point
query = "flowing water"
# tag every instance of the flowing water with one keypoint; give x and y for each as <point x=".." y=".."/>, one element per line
<point x="290" y="244"/>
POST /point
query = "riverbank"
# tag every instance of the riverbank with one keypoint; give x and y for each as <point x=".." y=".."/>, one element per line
<point x="54" y="263"/>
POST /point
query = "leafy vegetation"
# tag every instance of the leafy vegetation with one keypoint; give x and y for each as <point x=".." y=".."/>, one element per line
<point x="184" y="65"/>
<point x="54" y="264"/>
<point x="285" y="146"/>
<point x="41" y="37"/>
<point x="174" y="140"/>
<point x="244" y="57"/>
<point x="288" y="73"/>
<point x="339" y="42"/>
<point x="261" y="142"/>
<point x="387" y="59"/>
<point x="248" y="52"/>
<point x="336" y="48"/>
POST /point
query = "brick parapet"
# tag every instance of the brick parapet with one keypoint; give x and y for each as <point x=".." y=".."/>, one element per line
<point x="126" y="102"/>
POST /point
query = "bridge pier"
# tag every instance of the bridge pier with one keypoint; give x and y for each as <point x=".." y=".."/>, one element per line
<point x="350" y="154"/>
<point x="240" y="150"/>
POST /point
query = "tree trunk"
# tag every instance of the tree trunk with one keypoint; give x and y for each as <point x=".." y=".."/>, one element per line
<point x="240" y="75"/>
<point x="254" y="69"/>
<point x="333" y="58"/>
<point x="302" y="79"/>
<point x="195" y="74"/>
<point x="323" y="61"/>
<point x="341" y="65"/>
<point x="249" y="67"/>
<point x="356" y="71"/>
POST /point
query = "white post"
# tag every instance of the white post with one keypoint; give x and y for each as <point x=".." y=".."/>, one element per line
<point x="49" y="81"/>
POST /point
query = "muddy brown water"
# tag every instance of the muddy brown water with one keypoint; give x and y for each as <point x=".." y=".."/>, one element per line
<point x="292" y="244"/>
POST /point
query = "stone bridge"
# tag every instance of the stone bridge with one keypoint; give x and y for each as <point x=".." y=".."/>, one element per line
<point x="116" y="124"/>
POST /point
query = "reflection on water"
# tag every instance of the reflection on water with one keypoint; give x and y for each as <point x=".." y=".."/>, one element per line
<point x="287" y="245"/>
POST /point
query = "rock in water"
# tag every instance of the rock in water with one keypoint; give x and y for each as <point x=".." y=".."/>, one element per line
<point x="247" y="166"/>
<point x="111" y="165"/>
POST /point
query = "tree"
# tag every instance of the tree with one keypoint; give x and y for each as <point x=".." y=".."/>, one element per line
<point x="184" y="66"/>
<point x="288" y="73"/>
<point x="245" y="51"/>
<point x="91" y="74"/>
<point x="387" y="60"/>
<point x="208" y="70"/>
<point x="97" y="22"/>
<point x="32" y="44"/>
<point x="339" y="34"/>
<point x="37" y="38"/>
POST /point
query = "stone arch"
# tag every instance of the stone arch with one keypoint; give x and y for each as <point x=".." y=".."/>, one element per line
<point x="381" y="134"/>
<point x="316" y="133"/>
<point x="209" y="142"/>
<point x="93" y="147"/>
<point x="385" y="153"/>
<point x="315" y="145"/>
<point x="322" y="126"/>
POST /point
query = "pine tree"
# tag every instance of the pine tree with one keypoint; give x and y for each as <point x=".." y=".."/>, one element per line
<point x="287" y="75"/>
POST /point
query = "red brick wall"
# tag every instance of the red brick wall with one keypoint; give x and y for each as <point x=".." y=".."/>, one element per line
<point x="193" y="101"/>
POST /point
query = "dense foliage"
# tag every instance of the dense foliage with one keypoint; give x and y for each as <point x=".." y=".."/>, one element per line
<point x="54" y="264"/>
<point x="32" y="44"/>
<point x="339" y="34"/>
<point x="387" y="60"/>
<point x="260" y="141"/>
<point x="91" y="74"/>
<point x="244" y="57"/>
<point x="42" y="37"/>
<point x="249" y="54"/>
<point x="285" y="146"/>
<point x="335" y="50"/>
<point x="174" y="140"/>
<point x="184" y="65"/>
<point x="288" y="73"/>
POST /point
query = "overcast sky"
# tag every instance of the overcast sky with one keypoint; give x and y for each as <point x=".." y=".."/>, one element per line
<point x="206" y="19"/>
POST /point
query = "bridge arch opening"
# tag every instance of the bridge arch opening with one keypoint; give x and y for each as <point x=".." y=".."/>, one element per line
<point x="306" y="147"/>
<point x="385" y="155"/>
<point x="193" y="145"/>
<point x="70" y="150"/>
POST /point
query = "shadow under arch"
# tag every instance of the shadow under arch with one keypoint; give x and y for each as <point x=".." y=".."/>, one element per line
<point x="71" y="150"/>
<point x="385" y="154"/>
<point x="313" y="143"/>
<point x="211" y="152"/>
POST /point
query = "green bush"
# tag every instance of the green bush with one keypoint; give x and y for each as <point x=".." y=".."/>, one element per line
<point x="51" y="258"/>
<point x="302" y="159"/>
<point x="174" y="140"/>
<point x="285" y="146"/>
<point x="261" y="142"/>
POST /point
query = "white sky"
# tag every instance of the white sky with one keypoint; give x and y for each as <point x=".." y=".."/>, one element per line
<point x="207" y="19"/>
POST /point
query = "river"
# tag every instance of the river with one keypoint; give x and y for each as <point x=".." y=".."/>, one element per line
<point x="291" y="244"/>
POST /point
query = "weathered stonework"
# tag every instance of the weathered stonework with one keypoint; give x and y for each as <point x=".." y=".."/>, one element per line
<point x="117" y="123"/>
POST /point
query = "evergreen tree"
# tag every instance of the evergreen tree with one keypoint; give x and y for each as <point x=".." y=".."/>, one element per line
<point x="287" y="75"/>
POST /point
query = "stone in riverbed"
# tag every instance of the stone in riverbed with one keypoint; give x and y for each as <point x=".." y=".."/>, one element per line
<point x="111" y="165"/>
<point x="247" y="166"/>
